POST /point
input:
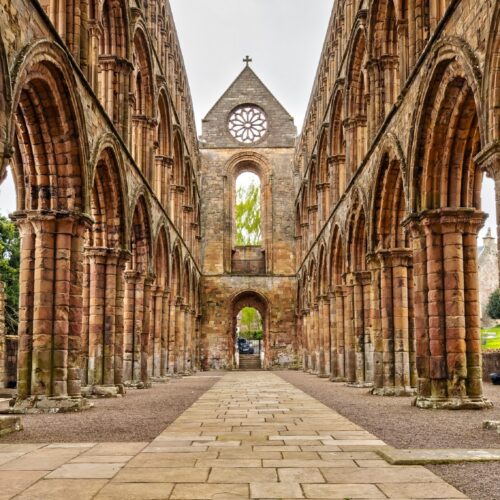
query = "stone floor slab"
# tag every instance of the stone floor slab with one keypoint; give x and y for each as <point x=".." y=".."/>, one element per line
<point x="135" y="491"/>
<point x="438" y="456"/>
<point x="204" y="491"/>
<point x="63" y="489"/>
<point x="86" y="471"/>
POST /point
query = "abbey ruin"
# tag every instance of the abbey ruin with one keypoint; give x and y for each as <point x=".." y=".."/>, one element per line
<point x="367" y="270"/>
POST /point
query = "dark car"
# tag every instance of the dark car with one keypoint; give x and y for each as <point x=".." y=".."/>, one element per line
<point x="244" y="347"/>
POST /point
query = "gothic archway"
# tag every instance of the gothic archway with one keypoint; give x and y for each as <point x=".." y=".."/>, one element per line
<point x="255" y="300"/>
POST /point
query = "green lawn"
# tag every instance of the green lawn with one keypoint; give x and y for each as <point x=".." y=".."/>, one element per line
<point x="491" y="343"/>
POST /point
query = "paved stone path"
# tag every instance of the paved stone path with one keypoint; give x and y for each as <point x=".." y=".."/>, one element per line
<point x="252" y="435"/>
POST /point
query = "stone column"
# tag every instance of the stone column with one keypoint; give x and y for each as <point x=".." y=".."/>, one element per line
<point x="97" y="290"/>
<point x="156" y="331"/>
<point x="94" y="33"/>
<point x="446" y="298"/>
<point x="51" y="281"/>
<point x="359" y="329"/>
<point x="187" y="338"/>
<point x="306" y="352"/>
<point x="315" y="338"/>
<point x="146" y="334"/>
<point x="132" y="325"/>
<point x="172" y="346"/>
<point x="179" y="336"/>
<point x="350" y="352"/>
<point x="164" y="333"/>
<point x="393" y="372"/>
<point x="339" y="373"/>
<point x="324" y="336"/>
<point x="122" y="259"/>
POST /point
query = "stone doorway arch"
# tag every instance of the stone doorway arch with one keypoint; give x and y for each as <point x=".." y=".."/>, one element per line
<point x="250" y="298"/>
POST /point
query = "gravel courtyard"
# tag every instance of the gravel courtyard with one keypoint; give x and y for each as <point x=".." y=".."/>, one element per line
<point x="399" y="424"/>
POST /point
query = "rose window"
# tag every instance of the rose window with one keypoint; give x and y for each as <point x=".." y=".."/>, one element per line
<point x="248" y="124"/>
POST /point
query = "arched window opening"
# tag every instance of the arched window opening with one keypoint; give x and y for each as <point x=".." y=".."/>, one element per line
<point x="248" y="210"/>
<point x="248" y="254"/>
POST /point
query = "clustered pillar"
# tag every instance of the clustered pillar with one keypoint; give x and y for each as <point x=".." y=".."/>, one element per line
<point x="50" y="314"/>
<point x="447" y="325"/>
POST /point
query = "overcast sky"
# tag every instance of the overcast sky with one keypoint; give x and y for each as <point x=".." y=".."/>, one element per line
<point x="283" y="37"/>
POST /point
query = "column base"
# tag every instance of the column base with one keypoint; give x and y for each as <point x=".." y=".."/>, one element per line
<point x="160" y="380"/>
<point x="103" y="391"/>
<point x="338" y="379"/>
<point x="10" y="423"/>
<point x="44" y="404"/>
<point x="436" y="403"/>
<point x="360" y="385"/>
<point x="393" y="391"/>
<point x="137" y="384"/>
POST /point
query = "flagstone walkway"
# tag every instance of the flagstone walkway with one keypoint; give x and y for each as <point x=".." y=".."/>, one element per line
<point x="252" y="435"/>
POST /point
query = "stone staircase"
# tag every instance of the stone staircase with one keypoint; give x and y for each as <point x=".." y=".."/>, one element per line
<point x="249" y="362"/>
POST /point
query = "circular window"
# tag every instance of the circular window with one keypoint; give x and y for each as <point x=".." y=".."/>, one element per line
<point x="248" y="124"/>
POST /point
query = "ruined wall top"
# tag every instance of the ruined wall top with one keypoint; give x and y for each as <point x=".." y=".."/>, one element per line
<point x="273" y="128"/>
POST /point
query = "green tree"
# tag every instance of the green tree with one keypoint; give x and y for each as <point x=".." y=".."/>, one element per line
<point x="248" y="215"/>
<point x="250" y="323"/>
<point x="493" y="306"/>
<point x="9" y="271"/>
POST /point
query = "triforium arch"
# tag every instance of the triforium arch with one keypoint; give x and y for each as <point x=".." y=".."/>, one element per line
<point x="258" y="165"/>
<point x="258" y="301"/>
<point x="52" y="196"/>
<point x="446" y="218"/>
<point x="108" y="65"/>
<point x="105" y="256"/>
<point x="391" y="265"/>
<point x="385" y="63"/>
<point x="337" y="147"/>
<point x="356" y="101"/>
<point x="163" y="157"/>
<point x="142" y="103"/>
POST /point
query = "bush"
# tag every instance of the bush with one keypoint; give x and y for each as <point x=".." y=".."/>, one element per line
<point x="493" y="306"/>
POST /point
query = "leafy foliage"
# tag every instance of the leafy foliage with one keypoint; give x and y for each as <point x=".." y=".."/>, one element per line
<point x="493" y="305"/>
<point x="9" y="271"/>
<point x="248" y="215"/>
<point x="250" y="323"/>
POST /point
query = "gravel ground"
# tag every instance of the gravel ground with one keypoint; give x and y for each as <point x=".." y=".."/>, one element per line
<point x="401" y="425"/>
<point x="139" y="416"/>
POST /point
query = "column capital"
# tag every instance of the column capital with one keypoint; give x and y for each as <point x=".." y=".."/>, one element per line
<point x="488" y="159"/>
<point x="446" y="220"/>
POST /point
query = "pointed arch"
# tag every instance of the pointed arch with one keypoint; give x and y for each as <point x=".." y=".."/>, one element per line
<point x="356" y="100"/>
<point x="46" y="105"/>
<point x="337" y="145"/>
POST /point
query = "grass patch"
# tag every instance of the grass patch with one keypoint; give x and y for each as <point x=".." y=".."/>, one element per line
<point x="493" y="342"/>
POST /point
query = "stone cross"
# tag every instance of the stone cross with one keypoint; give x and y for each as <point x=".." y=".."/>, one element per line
<point x="247" y="60"/>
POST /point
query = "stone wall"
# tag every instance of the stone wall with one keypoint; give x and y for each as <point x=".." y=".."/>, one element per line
<point x="491" y="364"/>
<point x="389" y="205"/>
<point x="488" y="276"/>
<point x="97" y="122"/>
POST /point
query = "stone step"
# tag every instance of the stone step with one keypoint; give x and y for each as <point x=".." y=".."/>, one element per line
<point x="249" y="362"/>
